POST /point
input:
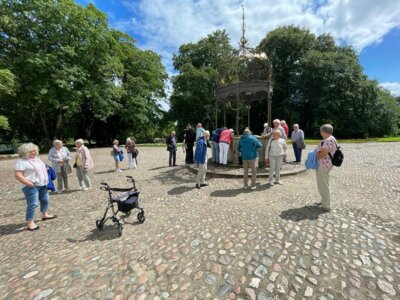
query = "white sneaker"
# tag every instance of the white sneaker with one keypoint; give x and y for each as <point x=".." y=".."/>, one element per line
<point x="86" y="189"/>
<point x="59" y="192"/>
<point x="253" y="187"/>
<point x="271" y="183"/>
<point x="81" y="188"/>
<point x="278" y="182"/>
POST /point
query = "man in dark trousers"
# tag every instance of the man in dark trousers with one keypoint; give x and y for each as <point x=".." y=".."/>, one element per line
<point x="171" y="147"/>
<point x="188" y="142"/>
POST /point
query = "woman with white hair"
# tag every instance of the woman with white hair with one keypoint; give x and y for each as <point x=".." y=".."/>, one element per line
<point x="325" y="151"/>
<point x="59" y="157"/>
<point x="275" y="151"/>
<point x="83" y="163"/>
<point x="131" y="151"/>
<point x="31" y="171"/>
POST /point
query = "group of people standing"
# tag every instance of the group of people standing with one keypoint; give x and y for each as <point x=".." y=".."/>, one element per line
<point x="32" y="172"/>
<point x="131" y="151"/>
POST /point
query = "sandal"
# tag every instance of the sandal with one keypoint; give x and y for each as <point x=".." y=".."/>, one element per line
<point x="49" y="218"/>
<point x="33" y="229"/>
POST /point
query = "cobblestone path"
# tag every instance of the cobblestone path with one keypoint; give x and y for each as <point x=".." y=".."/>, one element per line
<point x="219" y="242"/>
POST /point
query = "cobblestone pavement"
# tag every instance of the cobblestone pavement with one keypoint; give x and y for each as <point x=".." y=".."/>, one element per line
<point x="219" y="242"/>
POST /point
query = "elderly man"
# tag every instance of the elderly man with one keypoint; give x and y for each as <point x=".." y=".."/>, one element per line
<point x="200" y="158"/>
<point x="199" y="131"/>
<point x="277" y="126"/>
<point x="171" y="147"/>
<point x="297" y="142"/>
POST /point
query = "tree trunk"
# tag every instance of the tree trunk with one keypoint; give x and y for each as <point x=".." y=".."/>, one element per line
<point x="46" y="136"/>
<point x="58" y="124"/>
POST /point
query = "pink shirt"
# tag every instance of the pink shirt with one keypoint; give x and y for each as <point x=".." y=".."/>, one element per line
<point x="226" y="136"/>
<point x="330" y="144"/>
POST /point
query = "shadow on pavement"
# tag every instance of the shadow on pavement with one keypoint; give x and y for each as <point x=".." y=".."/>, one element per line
<point x="8" y="229"/>
<point x="235" y="192"/>
<point x="180" y="190"/>
<point x="105" y="172"/>
<point x="109" y="232"/>
<point x="302" y="213"/>
<point x="158" y="168"/>
<point x="175" y="175"/>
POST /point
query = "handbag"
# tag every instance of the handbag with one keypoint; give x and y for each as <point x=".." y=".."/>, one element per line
<point x="301" y="144"/>
<point x="121" y="155"/>
<point x="68" y="168"/>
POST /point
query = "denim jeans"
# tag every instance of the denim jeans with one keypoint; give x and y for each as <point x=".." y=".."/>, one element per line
<point x="215" y="151"/>
<point x="297" y="152"/>
<point x="172" y="157"/>
<point x="33" y="195"/>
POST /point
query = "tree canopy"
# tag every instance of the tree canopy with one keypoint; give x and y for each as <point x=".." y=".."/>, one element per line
<point x="74" y="76"/>
<point x="193" y="95"/>
<point x="315" y="82"/>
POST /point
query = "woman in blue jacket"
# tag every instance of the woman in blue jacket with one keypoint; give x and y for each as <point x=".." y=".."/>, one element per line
<point x="248" y="146"/>
<point x="200" y="158"/>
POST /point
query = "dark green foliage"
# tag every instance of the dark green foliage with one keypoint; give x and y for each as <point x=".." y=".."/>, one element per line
<point x="75" y="77"/>
<point x="193" y="97"/>
<point x="316" y="82"/>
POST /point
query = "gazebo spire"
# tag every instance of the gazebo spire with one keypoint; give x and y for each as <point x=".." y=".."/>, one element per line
<point x="243" y="47"/>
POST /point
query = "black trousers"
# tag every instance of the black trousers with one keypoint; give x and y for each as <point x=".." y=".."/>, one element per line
<point x="189" y="153"/>
<point x="172" y="157"/>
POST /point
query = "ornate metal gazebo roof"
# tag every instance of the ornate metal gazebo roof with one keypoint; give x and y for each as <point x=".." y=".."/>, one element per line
<point x="247" y="78"/>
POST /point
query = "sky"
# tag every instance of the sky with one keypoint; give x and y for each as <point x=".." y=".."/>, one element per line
<point x="371" y="27"/>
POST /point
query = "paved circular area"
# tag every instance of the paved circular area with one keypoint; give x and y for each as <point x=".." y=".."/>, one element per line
<point x="219" y="242"/>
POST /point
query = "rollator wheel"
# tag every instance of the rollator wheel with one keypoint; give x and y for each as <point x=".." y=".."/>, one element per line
<point x="120" y="227"/>
<point x="141" y="218"/>
<point x="99" y="225"/>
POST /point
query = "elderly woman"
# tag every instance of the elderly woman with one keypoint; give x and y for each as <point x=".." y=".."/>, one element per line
<point x="31" y="171"/>
<point x="83" y="163"/>
<point x="326" y="147"/>
<point x="248" y="146"/>
<point x="59" y="157"/>
<point x="275" y="151"/>
<point x="130" y="148"/>
<point x="116" y="150"/>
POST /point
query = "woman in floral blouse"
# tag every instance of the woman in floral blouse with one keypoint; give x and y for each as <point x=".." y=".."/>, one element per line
<point x="326" y="147"/>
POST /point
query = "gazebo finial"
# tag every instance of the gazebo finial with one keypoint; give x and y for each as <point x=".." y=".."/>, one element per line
<point x="243" y="40"/>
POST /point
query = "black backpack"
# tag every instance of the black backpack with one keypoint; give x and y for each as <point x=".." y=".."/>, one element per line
<point x="337" y="158"/>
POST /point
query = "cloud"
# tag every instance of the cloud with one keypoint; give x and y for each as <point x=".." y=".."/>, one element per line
<point x="164" y="25"/>
<point x="393" y="87"/>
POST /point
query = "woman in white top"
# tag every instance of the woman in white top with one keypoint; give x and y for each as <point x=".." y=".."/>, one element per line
<point x="31" y="171"/>
<point x="59" y="157"/>
<point x="275" y="151"/>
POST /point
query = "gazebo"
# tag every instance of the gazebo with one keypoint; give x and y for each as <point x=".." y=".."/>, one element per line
<point x="246" y="78"/>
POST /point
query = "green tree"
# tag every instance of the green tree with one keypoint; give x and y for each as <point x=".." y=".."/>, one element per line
<point x="285" y="46"/>
<point x="7" y="85"/>
<point x="316" y="82"/>
<point x="193" y="97"/>
<point x="74" y="74"/>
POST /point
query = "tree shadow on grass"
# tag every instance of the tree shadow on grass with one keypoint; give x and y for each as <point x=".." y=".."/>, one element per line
<point x="303" y="213"/>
